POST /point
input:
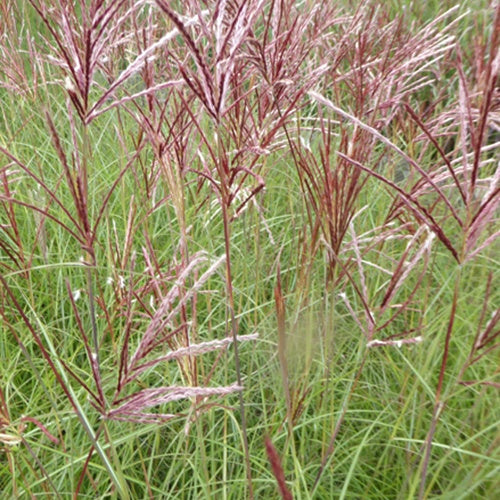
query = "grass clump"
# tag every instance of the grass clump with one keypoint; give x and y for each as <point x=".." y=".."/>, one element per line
<point x="248" y="249"/>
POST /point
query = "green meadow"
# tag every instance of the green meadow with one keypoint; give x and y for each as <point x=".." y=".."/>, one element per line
<point x="248" y="249"/>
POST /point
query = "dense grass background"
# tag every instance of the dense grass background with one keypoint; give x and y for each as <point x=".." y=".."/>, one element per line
<point x="111" y="225"/>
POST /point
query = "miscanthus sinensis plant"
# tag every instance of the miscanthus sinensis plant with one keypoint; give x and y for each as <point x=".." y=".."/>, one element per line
<point x="166" y="166"/>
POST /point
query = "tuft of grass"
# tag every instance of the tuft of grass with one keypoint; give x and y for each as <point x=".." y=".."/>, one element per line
<point x="227" y="220"/>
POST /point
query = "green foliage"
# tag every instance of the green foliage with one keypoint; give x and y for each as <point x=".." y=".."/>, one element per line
<point x="323" y="177"/>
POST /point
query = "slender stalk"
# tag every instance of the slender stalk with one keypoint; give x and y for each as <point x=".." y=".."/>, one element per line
<point x="340" y="421"/>
<point x="234" y="332"/>
<point x="90" y="261"/>
<point x="280" y="313"/>
<point x="439" y="404"/>
<point x="90" y="291"/>
<point x="41" y="467"/>
<point x="90" y="258"/>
